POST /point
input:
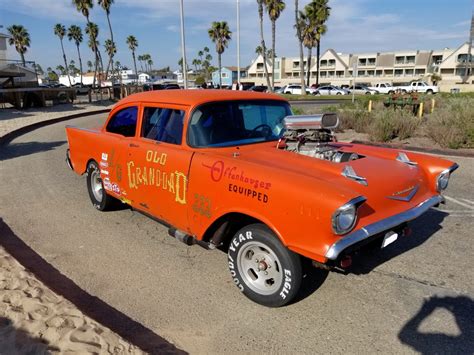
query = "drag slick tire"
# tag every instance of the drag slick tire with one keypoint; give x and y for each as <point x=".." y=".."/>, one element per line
<point x="262" y="267"/>
<point x="95" y="187"/>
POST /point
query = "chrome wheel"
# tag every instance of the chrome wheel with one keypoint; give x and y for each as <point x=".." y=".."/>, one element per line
<point x="96" y="185"/>
<point x="260" y="268"/>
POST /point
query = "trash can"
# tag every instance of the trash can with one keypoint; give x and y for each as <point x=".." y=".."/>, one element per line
<point x="455" y="91"/>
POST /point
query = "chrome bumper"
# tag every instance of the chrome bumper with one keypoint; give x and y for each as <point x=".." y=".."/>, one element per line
<point x="381" y="226"/>
<point x="68" y="160"/>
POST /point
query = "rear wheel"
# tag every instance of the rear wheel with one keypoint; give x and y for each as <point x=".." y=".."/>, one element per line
<point x="95" y="187"/>
<point x="262" y="267"/>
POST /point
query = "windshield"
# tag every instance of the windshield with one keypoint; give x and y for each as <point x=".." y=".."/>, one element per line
<point x="231" y="123"/>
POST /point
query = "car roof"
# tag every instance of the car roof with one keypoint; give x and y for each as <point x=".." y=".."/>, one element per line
<point x="197" y="97"/>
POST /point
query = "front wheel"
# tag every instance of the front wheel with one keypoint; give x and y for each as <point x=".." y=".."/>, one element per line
<point x="262" y="267"/>
<point x="95" y="187"/>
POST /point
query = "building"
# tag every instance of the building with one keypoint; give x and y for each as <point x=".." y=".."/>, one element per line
<point x="449" y="68"/>
<point x="3" y="47"/>
<point x="228" y="75"/>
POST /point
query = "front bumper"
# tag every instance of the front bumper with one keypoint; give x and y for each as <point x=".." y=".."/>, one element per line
<point x="383" y="225"/>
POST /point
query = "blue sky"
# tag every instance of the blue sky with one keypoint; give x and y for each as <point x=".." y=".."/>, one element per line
<point x="355" y="26"/>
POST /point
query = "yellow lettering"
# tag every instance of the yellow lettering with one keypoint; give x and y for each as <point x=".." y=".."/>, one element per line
<point x="138" y="173"/>
<point x="131" y="176"/>
<point x="181" y="183"/>
<point x="163" y="159"/>
<point x="149" y="155"/>
<point x="152" y="176"/>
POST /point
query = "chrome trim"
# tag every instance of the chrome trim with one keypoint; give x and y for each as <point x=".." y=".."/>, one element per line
<point x="403" y="158"/>
<point x="413" y="190"/>
<point x="354" y="202"/>
<point x="446" y="171"/>
<point x="453" y="167"/>
<point x="350" y="173"/>
<point x="380" y="226"/>
<point x="68" y="159"/>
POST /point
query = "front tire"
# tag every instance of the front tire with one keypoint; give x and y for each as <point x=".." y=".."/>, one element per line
<point x="263" y="268"/>
<point x="95" y="187"/>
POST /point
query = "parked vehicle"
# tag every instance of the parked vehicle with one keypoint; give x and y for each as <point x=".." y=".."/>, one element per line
<point x="259" y="88"/>
<point x="359" y="89"/>
<point x="235" y="170"/>
<point x="383" y="88"/>
<point x="419" y="86"/>
<point x="331" y="90"/>
<point x="81" y="89"/>
<point x="153" y="86"/>
<point x="296" y="90"/>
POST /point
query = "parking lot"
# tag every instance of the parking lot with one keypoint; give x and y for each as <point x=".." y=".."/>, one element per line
<point x="415" y="295"/>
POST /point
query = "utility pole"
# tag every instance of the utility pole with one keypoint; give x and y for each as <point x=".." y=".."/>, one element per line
<point x="183" y="46"/>
<point x="238" y="44"/>
<point x="470" y="60"/>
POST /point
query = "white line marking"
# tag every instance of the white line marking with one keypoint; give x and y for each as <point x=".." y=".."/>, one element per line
<point x="468" y="201"/>
<point x="459" y="202"/>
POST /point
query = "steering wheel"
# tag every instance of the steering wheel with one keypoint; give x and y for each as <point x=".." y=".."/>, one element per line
<point x="266" y="130"/>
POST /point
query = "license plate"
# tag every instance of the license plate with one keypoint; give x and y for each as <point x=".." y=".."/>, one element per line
<point x="389" y="238"/>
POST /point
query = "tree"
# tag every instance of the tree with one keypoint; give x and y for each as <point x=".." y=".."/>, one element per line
<point x="220" y="34"/>
<point x="309" y="38"/>
<point x="38" y="69"/>
<point x="20" y="38"/>
<point x="300" y="43"/>
<point x="60" y="31"/>
<point x="92" y="30"/>
<point x="274" y="9"/>
<point x="262" y="41"/>
<point x="150" y="64"/>
<point x="111" y="50"/>
<point x="90" y="65"/>
<point x="74" y="33"/>
<point x="318" y="12"/>
<point x="132" y="45"/>
<point x="61" y="69"/>
<point x="106" y="4"/>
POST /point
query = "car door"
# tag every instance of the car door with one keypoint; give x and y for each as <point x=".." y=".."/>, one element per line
<point x="119" y="132"/>
<point x="158" y="164"/>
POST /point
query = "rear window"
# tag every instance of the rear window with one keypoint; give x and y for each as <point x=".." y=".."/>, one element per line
<point x="124" y="122"/>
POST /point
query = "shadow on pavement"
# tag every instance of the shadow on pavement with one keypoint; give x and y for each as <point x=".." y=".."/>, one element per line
<point x="16" y="150"/>
<point x="95" y="308"/>
<point x="422" y="229"/>
<point x="17" y="341"/>
<point x="462" y="308"/>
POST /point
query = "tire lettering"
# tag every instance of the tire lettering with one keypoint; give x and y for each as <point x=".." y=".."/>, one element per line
<point x="287" y="285"/>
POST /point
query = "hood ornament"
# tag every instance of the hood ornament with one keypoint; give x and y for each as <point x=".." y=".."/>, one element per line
<point x="403" y="158"/>
<point x="350" y="173"/>
<point x="404" y="195"/>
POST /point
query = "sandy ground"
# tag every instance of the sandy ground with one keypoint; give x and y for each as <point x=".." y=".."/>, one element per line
<point x="33" y="319"/>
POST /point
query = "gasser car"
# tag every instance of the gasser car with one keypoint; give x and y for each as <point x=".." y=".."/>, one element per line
<point x="235" y="170"/>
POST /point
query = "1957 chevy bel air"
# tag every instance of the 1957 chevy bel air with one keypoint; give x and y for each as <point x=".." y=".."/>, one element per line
<point x="236" y="170"/>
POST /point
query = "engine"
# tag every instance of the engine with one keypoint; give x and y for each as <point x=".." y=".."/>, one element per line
<point x="312" y="136"/>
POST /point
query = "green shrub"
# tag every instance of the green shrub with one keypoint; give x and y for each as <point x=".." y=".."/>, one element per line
<point x="390" y="124"/>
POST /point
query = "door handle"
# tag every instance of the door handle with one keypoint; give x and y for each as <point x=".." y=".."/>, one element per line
<point x="132" y="145"/>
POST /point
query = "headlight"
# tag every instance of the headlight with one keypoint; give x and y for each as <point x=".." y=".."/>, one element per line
<point x="345" y="217"/>
<point x="443" y="180"/>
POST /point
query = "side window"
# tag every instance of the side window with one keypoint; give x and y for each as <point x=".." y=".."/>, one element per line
<point x="163" y="124"/>
<point x="124" y="122"/>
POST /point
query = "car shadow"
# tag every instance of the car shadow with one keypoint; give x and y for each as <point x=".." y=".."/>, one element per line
<point x="16" y="150"/>
<point x="92" y="306"/>
<point x="462" y="308"/>
<point x="18" y="341"/>
<point x="370" y="257"/>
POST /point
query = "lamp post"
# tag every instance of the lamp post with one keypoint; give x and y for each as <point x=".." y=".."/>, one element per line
<point x="183" y="46"/>
<point x="238" y="44"/>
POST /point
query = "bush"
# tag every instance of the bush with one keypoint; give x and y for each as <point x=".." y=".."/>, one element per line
<point x="451" y="124"/>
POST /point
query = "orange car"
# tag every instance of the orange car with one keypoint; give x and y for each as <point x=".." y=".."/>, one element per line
<point x="236" y="170"/>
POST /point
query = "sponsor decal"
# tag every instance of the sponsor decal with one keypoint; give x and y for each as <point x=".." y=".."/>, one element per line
<point x="105" y="156"/>
<point x="115" y="188"/>
<point x="219" y="171"/>
<point x="104" y="172"/>
<point x="202" y="205"/>
<point x="107" y="184"/>
<point x="104" y="164"/>
<point x="250" y="193"/>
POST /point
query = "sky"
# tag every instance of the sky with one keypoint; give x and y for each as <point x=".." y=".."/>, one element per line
<point x="355" y="26"/>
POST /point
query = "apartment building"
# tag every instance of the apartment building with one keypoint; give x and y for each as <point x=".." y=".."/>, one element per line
<point x="448" y="68"/>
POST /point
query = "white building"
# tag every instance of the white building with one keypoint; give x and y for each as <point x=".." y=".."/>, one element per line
<point x="3" y="47"/>
<point x="452" y="65"/>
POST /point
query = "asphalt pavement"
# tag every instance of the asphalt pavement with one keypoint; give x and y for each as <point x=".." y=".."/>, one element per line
<point x="415" y="295"/>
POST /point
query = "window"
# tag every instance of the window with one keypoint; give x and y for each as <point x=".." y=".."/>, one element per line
<point x="163" y="124"/>
<point x="223" y="75"/>
<point x="259" y="66"/>
<point x="232" y="123"/>
<point x="124" y="122"/>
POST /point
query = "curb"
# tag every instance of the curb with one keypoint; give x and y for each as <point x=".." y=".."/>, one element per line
<point x="7" y="138"/>
<point x="447" y="152"/>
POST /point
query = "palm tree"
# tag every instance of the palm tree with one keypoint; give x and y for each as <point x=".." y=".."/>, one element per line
<point x="61" y="69"/>
<point x="300" y="43"/>
<point x="307" y="30"/>
<point x="150" y="63"/>
<point x="60" y="31"/>
<point x="262" y="41"/>
<point x="132" y="45"/>
<point x="274" y="9"/>
<point x="321" y="16"/>
<point x="89" y="65"/>
<point x="220" y="34"/>
<point x="92" y="31"/>
<point x="106" y="4"/>
<point x="74" y="33"/>
<point x="111" y="51"/>
<point x="20" y="38"/>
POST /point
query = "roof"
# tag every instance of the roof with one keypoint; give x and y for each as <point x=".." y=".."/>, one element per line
<point x="197" y="97"/>
<point x="234" y="68"/>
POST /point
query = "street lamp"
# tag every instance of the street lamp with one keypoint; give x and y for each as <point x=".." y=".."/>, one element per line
<point x="238" y="44"/>
<point x="183" y="46"/>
